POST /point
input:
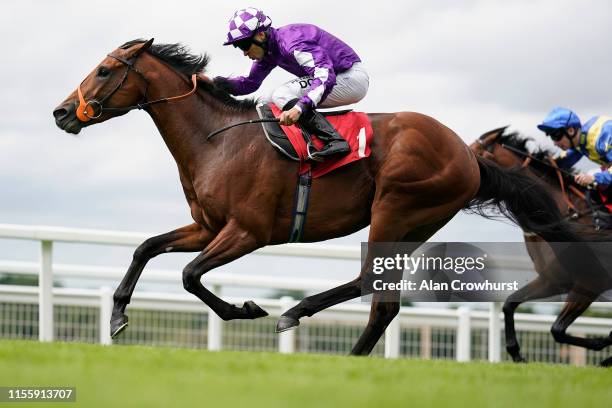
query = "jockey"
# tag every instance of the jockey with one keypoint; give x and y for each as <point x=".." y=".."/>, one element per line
<point x="593" y="140"/>
<point x="329" y="72"/>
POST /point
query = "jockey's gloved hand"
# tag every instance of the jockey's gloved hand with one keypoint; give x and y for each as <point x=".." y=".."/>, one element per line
<point x="223" y="84"/>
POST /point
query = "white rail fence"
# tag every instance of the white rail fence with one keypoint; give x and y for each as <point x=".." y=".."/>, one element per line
<point x="462" y="334"/>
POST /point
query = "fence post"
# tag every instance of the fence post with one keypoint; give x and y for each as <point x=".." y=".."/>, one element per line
<point x="106" y="305"/>
<point x="392" y="338"/>
<point x="494" y="332"/>
<point x="425" y="342"/>
<point x="45" y="292"/>
<point x="464" y="331"/>
<point x="286" y="339"/>
<point x="215" y="325"/>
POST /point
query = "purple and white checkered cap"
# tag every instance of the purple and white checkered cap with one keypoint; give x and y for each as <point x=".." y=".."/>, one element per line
<point x="246" y="23"/>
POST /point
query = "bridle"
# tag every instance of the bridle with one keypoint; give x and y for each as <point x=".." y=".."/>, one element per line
<point x="93" y="109"/>
<point x="573" y="212"/>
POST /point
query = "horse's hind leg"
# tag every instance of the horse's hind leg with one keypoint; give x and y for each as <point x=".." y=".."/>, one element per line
<point x="315" y="303"/>
<point x="190" y="238"/>
<point x="386" y="306"/>
<point x="382" y="312"/>
<point x="230" y="244"/>
<point x="350" y="290"/>
<point x="538" y="288"/>
<point x="575" y="305"/>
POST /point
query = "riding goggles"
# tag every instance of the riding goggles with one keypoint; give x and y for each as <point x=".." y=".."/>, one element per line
<point x="556" y="134"/>
<point x="244" y="44"/>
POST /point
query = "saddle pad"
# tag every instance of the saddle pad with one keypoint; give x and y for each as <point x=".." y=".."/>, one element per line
<point x="355" y="128"/>
<point x="275" y="134"/>
<point x="606" y="197"/>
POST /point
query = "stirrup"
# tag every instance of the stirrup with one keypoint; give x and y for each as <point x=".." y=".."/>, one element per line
<point x="327" y="150"/>
<point x="310" y="155"/>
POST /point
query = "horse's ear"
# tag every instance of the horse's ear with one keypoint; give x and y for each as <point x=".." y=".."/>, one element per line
<point x="142" y="48"/>
<point x="497" y="132"/>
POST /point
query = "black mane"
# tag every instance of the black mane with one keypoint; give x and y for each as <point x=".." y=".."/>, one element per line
<point x="178" y="56"/>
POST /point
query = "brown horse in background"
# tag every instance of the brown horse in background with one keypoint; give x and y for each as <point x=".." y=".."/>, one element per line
<point x="509" y="151"/>
<point x="240" y="189"/>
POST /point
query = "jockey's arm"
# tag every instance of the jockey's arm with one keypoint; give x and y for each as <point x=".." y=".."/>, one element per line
<point x="244" y="85"/>
<point x="568" y="158"/>
<point x="317" y="63"/>
<point x="605" y="146"/>
<point x="604" y="177"/>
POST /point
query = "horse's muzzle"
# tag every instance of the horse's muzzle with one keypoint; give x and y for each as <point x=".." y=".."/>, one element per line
<point x="65" y="118"/>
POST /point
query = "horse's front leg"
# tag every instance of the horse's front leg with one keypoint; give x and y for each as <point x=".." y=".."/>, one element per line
<point x="190" y="238"/>
<point x="231" y="243"/>
<point x="539" y="288"/>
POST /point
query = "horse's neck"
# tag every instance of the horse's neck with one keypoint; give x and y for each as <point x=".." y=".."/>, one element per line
<point x="185" y="124"/>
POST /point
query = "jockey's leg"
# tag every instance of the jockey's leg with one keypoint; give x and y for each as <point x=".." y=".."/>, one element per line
<point x="190" y="238"/>
<point x="351" y="86"/>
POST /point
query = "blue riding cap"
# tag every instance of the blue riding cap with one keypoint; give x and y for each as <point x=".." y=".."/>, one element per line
<point x="560" y="118"/>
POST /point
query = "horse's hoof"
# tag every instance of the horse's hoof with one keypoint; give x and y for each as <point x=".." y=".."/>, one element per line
<point x="520" y="360"/>
<point x="606" y="363"/>
<point x="253" y="311"/>
<point x="118" y="325"/>
<point x="286" y="323"/>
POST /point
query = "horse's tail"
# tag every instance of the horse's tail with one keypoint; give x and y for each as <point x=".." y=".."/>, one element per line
<point x="522" y="199"/>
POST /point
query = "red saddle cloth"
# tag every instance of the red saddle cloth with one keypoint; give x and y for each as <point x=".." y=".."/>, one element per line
<point x="606" y="198"/>
<point x="354" y="127"/>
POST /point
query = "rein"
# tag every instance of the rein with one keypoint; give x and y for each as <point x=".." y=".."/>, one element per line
<point x="529" y="156"/>
<point x="574" y="213"/>
<point x="248" y="122"/>
<point x="86" y="111"/>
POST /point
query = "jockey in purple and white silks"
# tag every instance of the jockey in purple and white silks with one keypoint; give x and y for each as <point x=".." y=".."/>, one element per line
<point x="329" y="72"/>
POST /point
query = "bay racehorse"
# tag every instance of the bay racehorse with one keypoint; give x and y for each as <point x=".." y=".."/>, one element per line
<point x="582" y="207"/>
<point x="240" y="190"/>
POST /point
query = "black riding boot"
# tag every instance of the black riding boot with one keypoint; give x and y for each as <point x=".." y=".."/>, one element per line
<point x="317" y="124"/>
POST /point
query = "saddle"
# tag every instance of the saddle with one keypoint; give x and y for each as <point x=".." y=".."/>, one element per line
<point x="278" y="138"/>
<point x="600" y="204"/>
<point x="292" y="141"/>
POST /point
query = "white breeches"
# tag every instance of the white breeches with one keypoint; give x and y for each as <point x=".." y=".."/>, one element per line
<point x="351" y="87"/>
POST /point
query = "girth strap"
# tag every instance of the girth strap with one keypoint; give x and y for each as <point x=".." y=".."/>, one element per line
<point x="300" y="206"/>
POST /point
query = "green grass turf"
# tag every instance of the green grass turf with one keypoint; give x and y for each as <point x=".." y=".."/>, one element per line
<point x="134" y="376"/>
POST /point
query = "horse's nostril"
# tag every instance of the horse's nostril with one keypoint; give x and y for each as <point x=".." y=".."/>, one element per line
<point x="60" y="113"/>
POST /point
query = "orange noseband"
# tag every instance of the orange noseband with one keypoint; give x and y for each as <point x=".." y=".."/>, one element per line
<point x="84" y="112"/>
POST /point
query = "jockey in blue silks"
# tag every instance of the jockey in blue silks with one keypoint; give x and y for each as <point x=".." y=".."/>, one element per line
<point x="329" y="72"/>
<point x="593" y="140"/>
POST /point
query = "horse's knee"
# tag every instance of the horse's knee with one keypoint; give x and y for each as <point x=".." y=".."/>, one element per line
<point x="145" y="251"/>
<point x="558" y="333"/>
<point x="190" y="279"/>
<point x="509" y="307"/>
<point x="386" y="312"/>
<point x="392" y="311"/>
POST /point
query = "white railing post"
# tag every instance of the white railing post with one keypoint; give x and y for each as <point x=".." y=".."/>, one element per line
<point x="45" y="290"/>
<point x="392" y="338"/>
<point x="494" y="332"/>
<point x="215" y="326"/>
<point x="464" y="332"/>
<point x="106" y="306"/>
<point x="286" y="339"/>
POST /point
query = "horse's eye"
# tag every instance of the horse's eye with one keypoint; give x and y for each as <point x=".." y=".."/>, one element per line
<point x="103" y="72"/>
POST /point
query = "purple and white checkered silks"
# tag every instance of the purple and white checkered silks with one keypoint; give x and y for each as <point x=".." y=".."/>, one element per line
<point x="246" y="23"/>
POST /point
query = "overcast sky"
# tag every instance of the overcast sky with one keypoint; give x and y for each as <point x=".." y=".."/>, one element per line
<point x="473" y="65"/>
